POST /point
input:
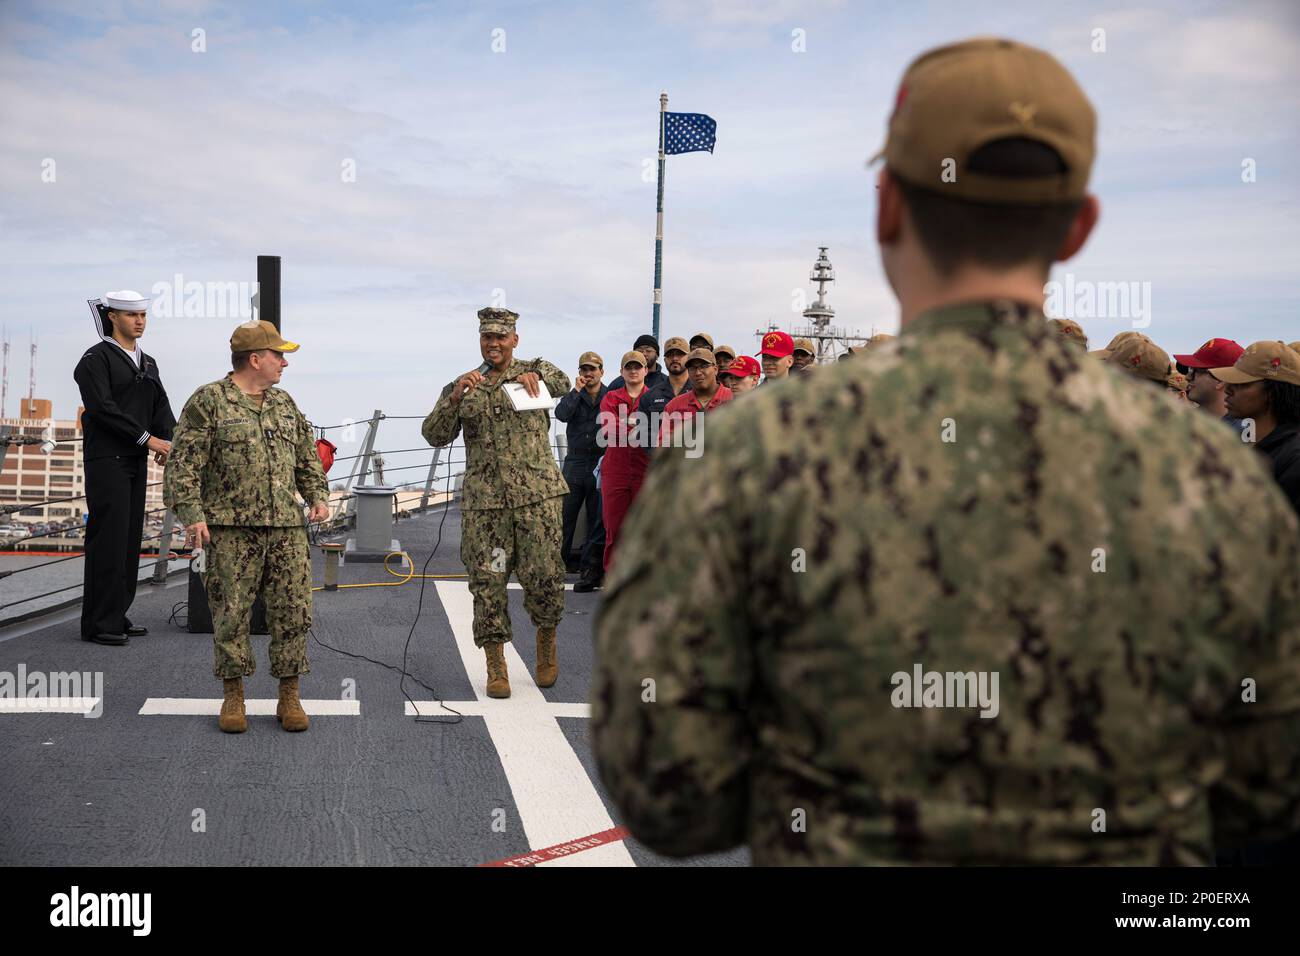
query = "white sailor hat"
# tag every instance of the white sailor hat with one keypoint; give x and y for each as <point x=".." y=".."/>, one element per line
<point x="126" y="301"/>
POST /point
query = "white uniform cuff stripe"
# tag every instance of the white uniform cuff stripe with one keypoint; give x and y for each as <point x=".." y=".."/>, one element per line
<point x="142" y="439"/>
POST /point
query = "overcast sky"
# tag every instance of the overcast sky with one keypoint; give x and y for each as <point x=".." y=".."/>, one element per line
<point x="522" y="169"/>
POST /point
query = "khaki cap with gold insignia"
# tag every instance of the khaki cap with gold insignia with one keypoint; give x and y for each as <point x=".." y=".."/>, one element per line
<point x="678" y="343"/>
<point x="590" y="358"/>
<point x="703" y="335"/>
<point x="955" y="99"/>
<point x="500" y="321"/>
<point x="722" y="350"/>
<point x="1070" y="329"/>
<point x="701" y="355"/>
<point x="257" y="335"/>
<point x="804" y="345"/>
<point x="1141" y="357"/>
<point x="1263" y="362"/>
<point x="1115" y="343"/>
<point x="633" y="356"/>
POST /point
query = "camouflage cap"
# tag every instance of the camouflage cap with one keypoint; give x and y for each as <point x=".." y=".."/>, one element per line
<point x="500" y="321"/>
<point x="590" y="358"/>
<point x="804" y="345"/>
<point x="1115" y="343"/>
<point x="257" y="335"/>
<point x="678" y="343"/>
<point x="1070" y="329"/>
<point x="955" y="99"/>
<point x="1263" y="362"/>
<point x="706" y="355"/>
<point x="1141" y="357"/>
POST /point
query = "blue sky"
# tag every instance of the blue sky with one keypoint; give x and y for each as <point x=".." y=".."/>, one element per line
<point x="522" y="171"/>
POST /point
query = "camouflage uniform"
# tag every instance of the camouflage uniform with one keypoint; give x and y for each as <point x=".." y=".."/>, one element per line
<point x="240" y="467"/>
<point x="1120" y="689"/>
<point x="513" y="499"/>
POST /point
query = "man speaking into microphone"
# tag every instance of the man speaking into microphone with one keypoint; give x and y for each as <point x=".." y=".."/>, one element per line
<point x="513" y="497"/>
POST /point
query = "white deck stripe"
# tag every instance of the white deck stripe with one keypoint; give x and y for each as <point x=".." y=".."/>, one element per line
<point x="516" y="586"/>
<point x="48" y="705"/>
<point x="556" y="799"/>
<point x="481" y="708"/>
<point x="202" y="707"/>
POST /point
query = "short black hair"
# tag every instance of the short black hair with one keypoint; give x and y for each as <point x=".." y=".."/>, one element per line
<point x="955" y="232"/>
<point x="239" y="360"/>
<point x="1283" y="401"/>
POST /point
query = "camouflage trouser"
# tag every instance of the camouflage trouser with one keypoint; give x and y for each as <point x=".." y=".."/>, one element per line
<point x="525" y="540"/>
<point x="242" y="563"/>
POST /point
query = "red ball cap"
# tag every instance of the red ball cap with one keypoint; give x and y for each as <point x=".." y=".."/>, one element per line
<point x="777" y="345"/>
<point x="1216" y="353"/>
<point x="744" y="366"/>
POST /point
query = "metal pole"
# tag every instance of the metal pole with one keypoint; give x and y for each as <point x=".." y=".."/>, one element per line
<point x="164" y="548"/>
<point x="659" y="220"/>
<point x="363" y="463"/>
<point x="268" y="289"/>
<point x="428" y="483"/>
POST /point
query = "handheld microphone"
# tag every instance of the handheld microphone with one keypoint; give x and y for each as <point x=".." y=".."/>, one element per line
<point x="485" y="368"/>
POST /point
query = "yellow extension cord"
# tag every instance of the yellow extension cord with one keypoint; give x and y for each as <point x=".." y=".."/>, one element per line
<point x="411" y="575"/>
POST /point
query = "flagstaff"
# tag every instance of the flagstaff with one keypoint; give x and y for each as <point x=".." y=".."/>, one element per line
<point x="659" y="219"/>
<point x="678" y="133"/>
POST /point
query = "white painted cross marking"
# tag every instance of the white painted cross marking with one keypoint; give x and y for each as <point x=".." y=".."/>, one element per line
<point x="556" y="799"/>
<point x="201" y="707"/>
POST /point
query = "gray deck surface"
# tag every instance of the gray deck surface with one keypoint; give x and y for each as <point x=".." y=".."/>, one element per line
<point x="378" y="788"/>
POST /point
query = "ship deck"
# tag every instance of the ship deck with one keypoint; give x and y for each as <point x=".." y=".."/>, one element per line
<point x="152" y="781"/>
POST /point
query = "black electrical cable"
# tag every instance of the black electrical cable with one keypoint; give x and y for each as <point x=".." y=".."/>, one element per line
<point x="419" y="607"/>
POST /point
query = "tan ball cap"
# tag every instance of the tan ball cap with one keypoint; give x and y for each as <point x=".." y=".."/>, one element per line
<point x="701" y="355"/>
<point x="590" y="358"/>
<point x="1070" y="329"/>
<point x="1141" y="357"/>
<point x="957" y="98"/>
<point x="1263" y="361"/>
<point x="678" y="343"/>
<point x="257" y="335"/>
<point x="634" y="357"/>
<point x="1115" y="343"/>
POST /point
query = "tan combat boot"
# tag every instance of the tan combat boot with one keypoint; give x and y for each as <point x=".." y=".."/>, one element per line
<point x="289" y="711"/>
<point x="232" y="719"/>
<point x="548" y="667"/>
<point x="498" y="684"/>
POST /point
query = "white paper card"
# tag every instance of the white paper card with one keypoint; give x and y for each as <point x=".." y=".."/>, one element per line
<point x="523" y="402"/>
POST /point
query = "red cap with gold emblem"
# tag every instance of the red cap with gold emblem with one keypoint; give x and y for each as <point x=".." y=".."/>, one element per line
<point x="777" y="345"/>
<point x="744" y="366"/>
<point x="1216" y="353"/>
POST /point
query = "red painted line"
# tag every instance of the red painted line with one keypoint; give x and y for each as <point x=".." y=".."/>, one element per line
<point x="533" y="857"/>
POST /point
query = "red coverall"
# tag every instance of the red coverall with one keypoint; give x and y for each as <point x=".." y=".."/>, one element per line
<point x="623" y="468"/>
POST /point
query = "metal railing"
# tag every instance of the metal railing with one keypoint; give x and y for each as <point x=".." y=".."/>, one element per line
<point x="440" y="470"/>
